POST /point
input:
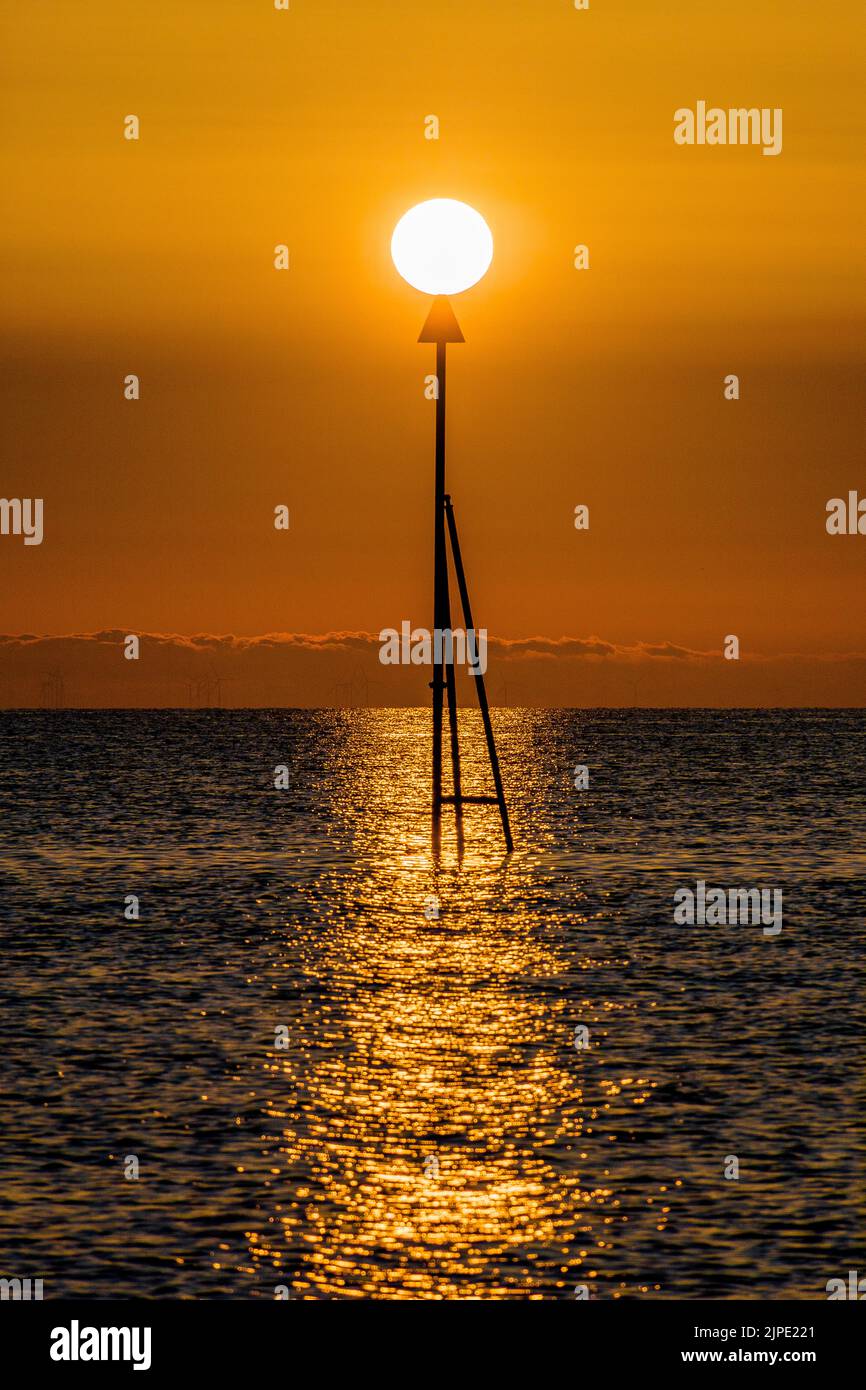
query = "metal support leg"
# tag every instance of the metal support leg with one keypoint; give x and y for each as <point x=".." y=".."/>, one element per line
<point x="479" y="679"/>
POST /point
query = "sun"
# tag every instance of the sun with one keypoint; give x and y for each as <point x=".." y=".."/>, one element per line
<point x="442" y="246"/>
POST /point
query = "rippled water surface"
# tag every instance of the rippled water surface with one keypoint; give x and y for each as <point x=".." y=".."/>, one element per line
<point x="429" y="1128"/>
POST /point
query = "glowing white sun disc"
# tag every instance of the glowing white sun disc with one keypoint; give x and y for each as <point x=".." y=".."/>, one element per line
<point x="442" y="246"/>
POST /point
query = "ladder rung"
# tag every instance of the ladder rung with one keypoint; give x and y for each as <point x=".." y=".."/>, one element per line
<point x="474" y="800"/>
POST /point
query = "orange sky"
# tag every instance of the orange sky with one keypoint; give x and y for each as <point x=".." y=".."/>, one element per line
<point x="305" y="387"/>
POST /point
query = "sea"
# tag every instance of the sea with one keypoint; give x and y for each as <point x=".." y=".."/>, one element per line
<point x="259" y="1040"/>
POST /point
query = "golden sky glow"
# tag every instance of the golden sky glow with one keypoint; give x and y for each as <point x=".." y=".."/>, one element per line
<point x="305" y="387"/>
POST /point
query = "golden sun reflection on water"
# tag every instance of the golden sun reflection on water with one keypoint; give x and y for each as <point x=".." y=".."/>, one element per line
<point x="430" y="1127"/>
<point x="437" y="1151"/>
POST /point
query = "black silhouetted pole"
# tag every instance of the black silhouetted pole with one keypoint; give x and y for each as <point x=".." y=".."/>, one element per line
<point x="440" y="587"/>
<point x="442" y="328"/>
